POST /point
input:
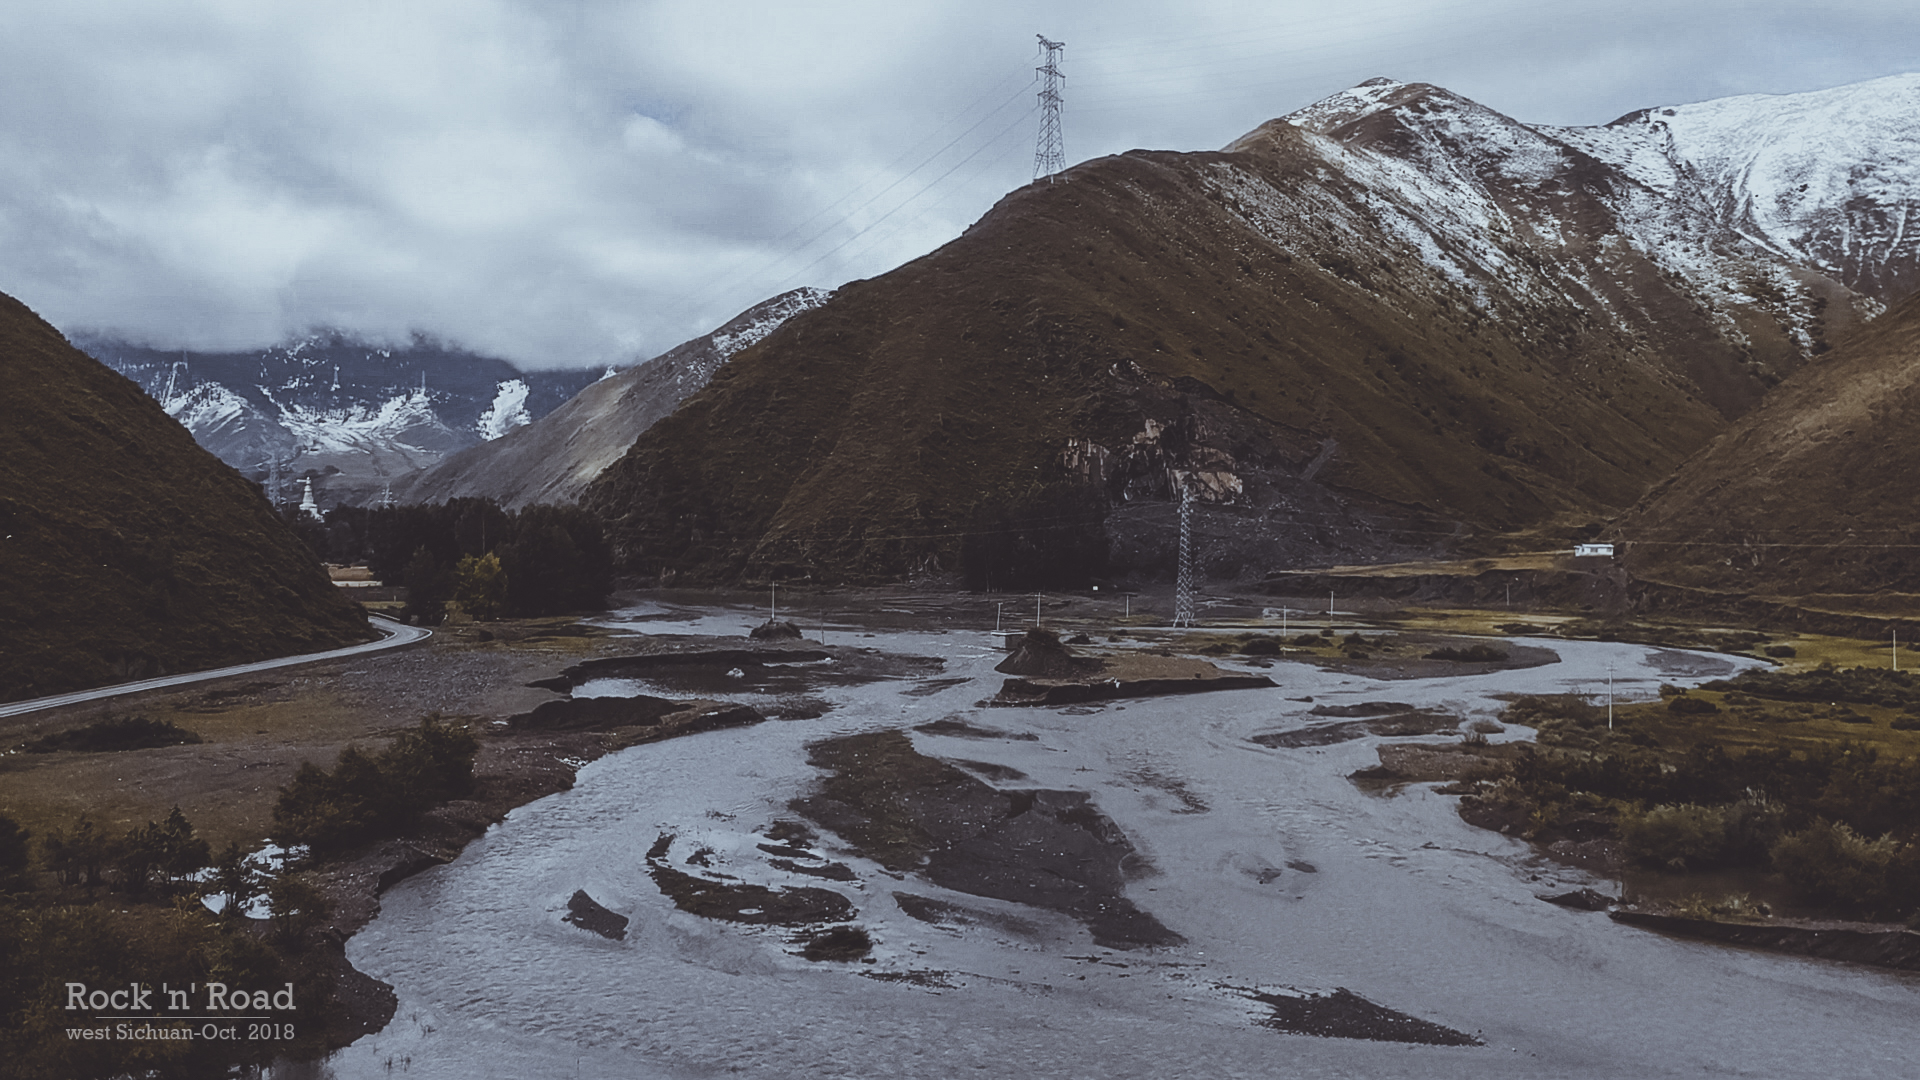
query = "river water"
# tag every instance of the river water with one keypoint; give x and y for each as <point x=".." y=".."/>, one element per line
<point x="1281" y="875"/>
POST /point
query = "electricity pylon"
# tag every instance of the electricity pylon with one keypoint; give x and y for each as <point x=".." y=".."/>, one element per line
<point x="1050" y="153"/>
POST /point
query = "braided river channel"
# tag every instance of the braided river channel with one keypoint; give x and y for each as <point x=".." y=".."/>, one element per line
<point x="1277" y="877"/>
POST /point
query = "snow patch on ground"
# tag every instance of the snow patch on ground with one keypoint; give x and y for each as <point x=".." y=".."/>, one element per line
<point x="508" y="411"/>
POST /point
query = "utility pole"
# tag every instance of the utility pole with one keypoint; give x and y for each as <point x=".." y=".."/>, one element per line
<point x="1050" y="153"/>
<point x="1609" y="695"/>
<point x="770" y="590"/>
<point x="1183" y="589"/>
<point x="1896" y="649"/>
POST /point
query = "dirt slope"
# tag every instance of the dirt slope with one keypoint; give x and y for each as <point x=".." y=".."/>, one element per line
<point x="1811" y="493"/>
<point x="553" y="459"/>
<point x="128" y="550"/>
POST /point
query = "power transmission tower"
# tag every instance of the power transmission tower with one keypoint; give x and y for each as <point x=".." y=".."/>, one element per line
<point x="1050" y="153"/>
<point x="1183" y="589"/>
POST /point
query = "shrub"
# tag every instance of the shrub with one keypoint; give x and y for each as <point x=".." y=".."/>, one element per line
<point x="1533" y="709"/>
<point x="1260" y="646"/>
<point x="13" y="851"/>
<point x="1679" y="837"/>
<point x="1475" y="654"/>
<point x="364" y="797"/>
<point x="480" y="586"/>
<point x="1831" y="864"/>
<point x="166" y="849"/>
<point x="77" y="859"/>
<point x="1781" y="652"/>
<point x="1691" y="706"/>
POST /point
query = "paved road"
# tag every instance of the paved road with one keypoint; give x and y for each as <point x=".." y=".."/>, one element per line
<point x="397" y="634"/>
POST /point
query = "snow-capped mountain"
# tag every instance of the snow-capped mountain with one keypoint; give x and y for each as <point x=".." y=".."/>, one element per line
<point x="552" y="459"/>
<point x="1591" y="207"/>
<point x="355" y="416"/>
<point x="1827" y="179"/>
<point x="1383" y="325"/>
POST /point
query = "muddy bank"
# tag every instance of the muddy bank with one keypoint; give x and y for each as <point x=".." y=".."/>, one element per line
<point x="641" y="718"/>
<point x="1400" y="724"/>
<point x="1133" y="675"/>
<point x="1344" y="1014"/>
<point x="696" y="665"/>
<point x="1860" y="943"/>
<point x="1424" y="665"/>
<point x="735" y="901"/>
<point x="915" y="814"/>
<point x="1044" y="692"/>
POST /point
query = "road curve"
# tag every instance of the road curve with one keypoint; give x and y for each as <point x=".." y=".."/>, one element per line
<point x="397" y="634"/>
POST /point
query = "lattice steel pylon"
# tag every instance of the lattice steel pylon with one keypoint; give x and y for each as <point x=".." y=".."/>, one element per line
<point x="1183" y="589"/>
<point x="1050" y="152"/>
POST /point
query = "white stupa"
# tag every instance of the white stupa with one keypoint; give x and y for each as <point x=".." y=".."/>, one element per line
<point x="307" y="505"/>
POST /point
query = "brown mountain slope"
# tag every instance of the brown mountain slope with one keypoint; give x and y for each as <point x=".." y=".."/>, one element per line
<point x="128" y="550"/>
<point x="553" y="459"/>
<point x="1364" y="349"/>
<point x="1811" y="493"/>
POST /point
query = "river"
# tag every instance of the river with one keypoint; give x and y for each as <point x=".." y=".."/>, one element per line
<point x="1281" y="875"/>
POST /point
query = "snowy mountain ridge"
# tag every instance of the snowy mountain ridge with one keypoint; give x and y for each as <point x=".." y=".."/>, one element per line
<point x="353" y="415"/>
<point x="1826" y="180"/>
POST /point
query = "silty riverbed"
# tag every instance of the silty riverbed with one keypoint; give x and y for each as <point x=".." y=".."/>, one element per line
<point x="1276" y="878"/>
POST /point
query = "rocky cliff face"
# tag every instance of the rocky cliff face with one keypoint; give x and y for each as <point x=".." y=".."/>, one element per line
<point x="128" y="550"/>
<point x="1386" y="325"/>
<point x="553" y="459"/>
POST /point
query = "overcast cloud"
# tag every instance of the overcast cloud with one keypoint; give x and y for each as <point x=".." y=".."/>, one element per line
<point x="576" y="182"/>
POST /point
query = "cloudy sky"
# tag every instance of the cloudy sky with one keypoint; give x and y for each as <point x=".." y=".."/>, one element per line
<point x="575" y="182"/>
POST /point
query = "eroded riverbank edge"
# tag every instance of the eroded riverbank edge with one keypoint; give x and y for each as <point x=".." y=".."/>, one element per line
<point x="1456" y="767"/>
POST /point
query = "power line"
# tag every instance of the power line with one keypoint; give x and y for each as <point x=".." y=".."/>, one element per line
<point x="843" y="219"/>
<point x="909" y="200"/>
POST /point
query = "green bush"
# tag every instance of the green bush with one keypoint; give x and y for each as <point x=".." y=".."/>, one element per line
<point x="13" y="852"/>
<point x="1831" y="864"/>
<point x="1476" y="654"/>
<point x="1691" y="706"/>
<point x="365" y="798"/>
<point x="1680" y="837"/>
<point x="159" y="853"/>
<point x="480" y="586"/>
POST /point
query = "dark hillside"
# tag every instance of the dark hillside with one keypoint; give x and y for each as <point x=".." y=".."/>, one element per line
<point x="128" y="550"/>
<point x="1812" y="493"/>
<point x="1332" y="347"/>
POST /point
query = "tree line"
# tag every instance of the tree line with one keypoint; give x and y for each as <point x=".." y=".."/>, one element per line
<point x="541" y="560"/>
